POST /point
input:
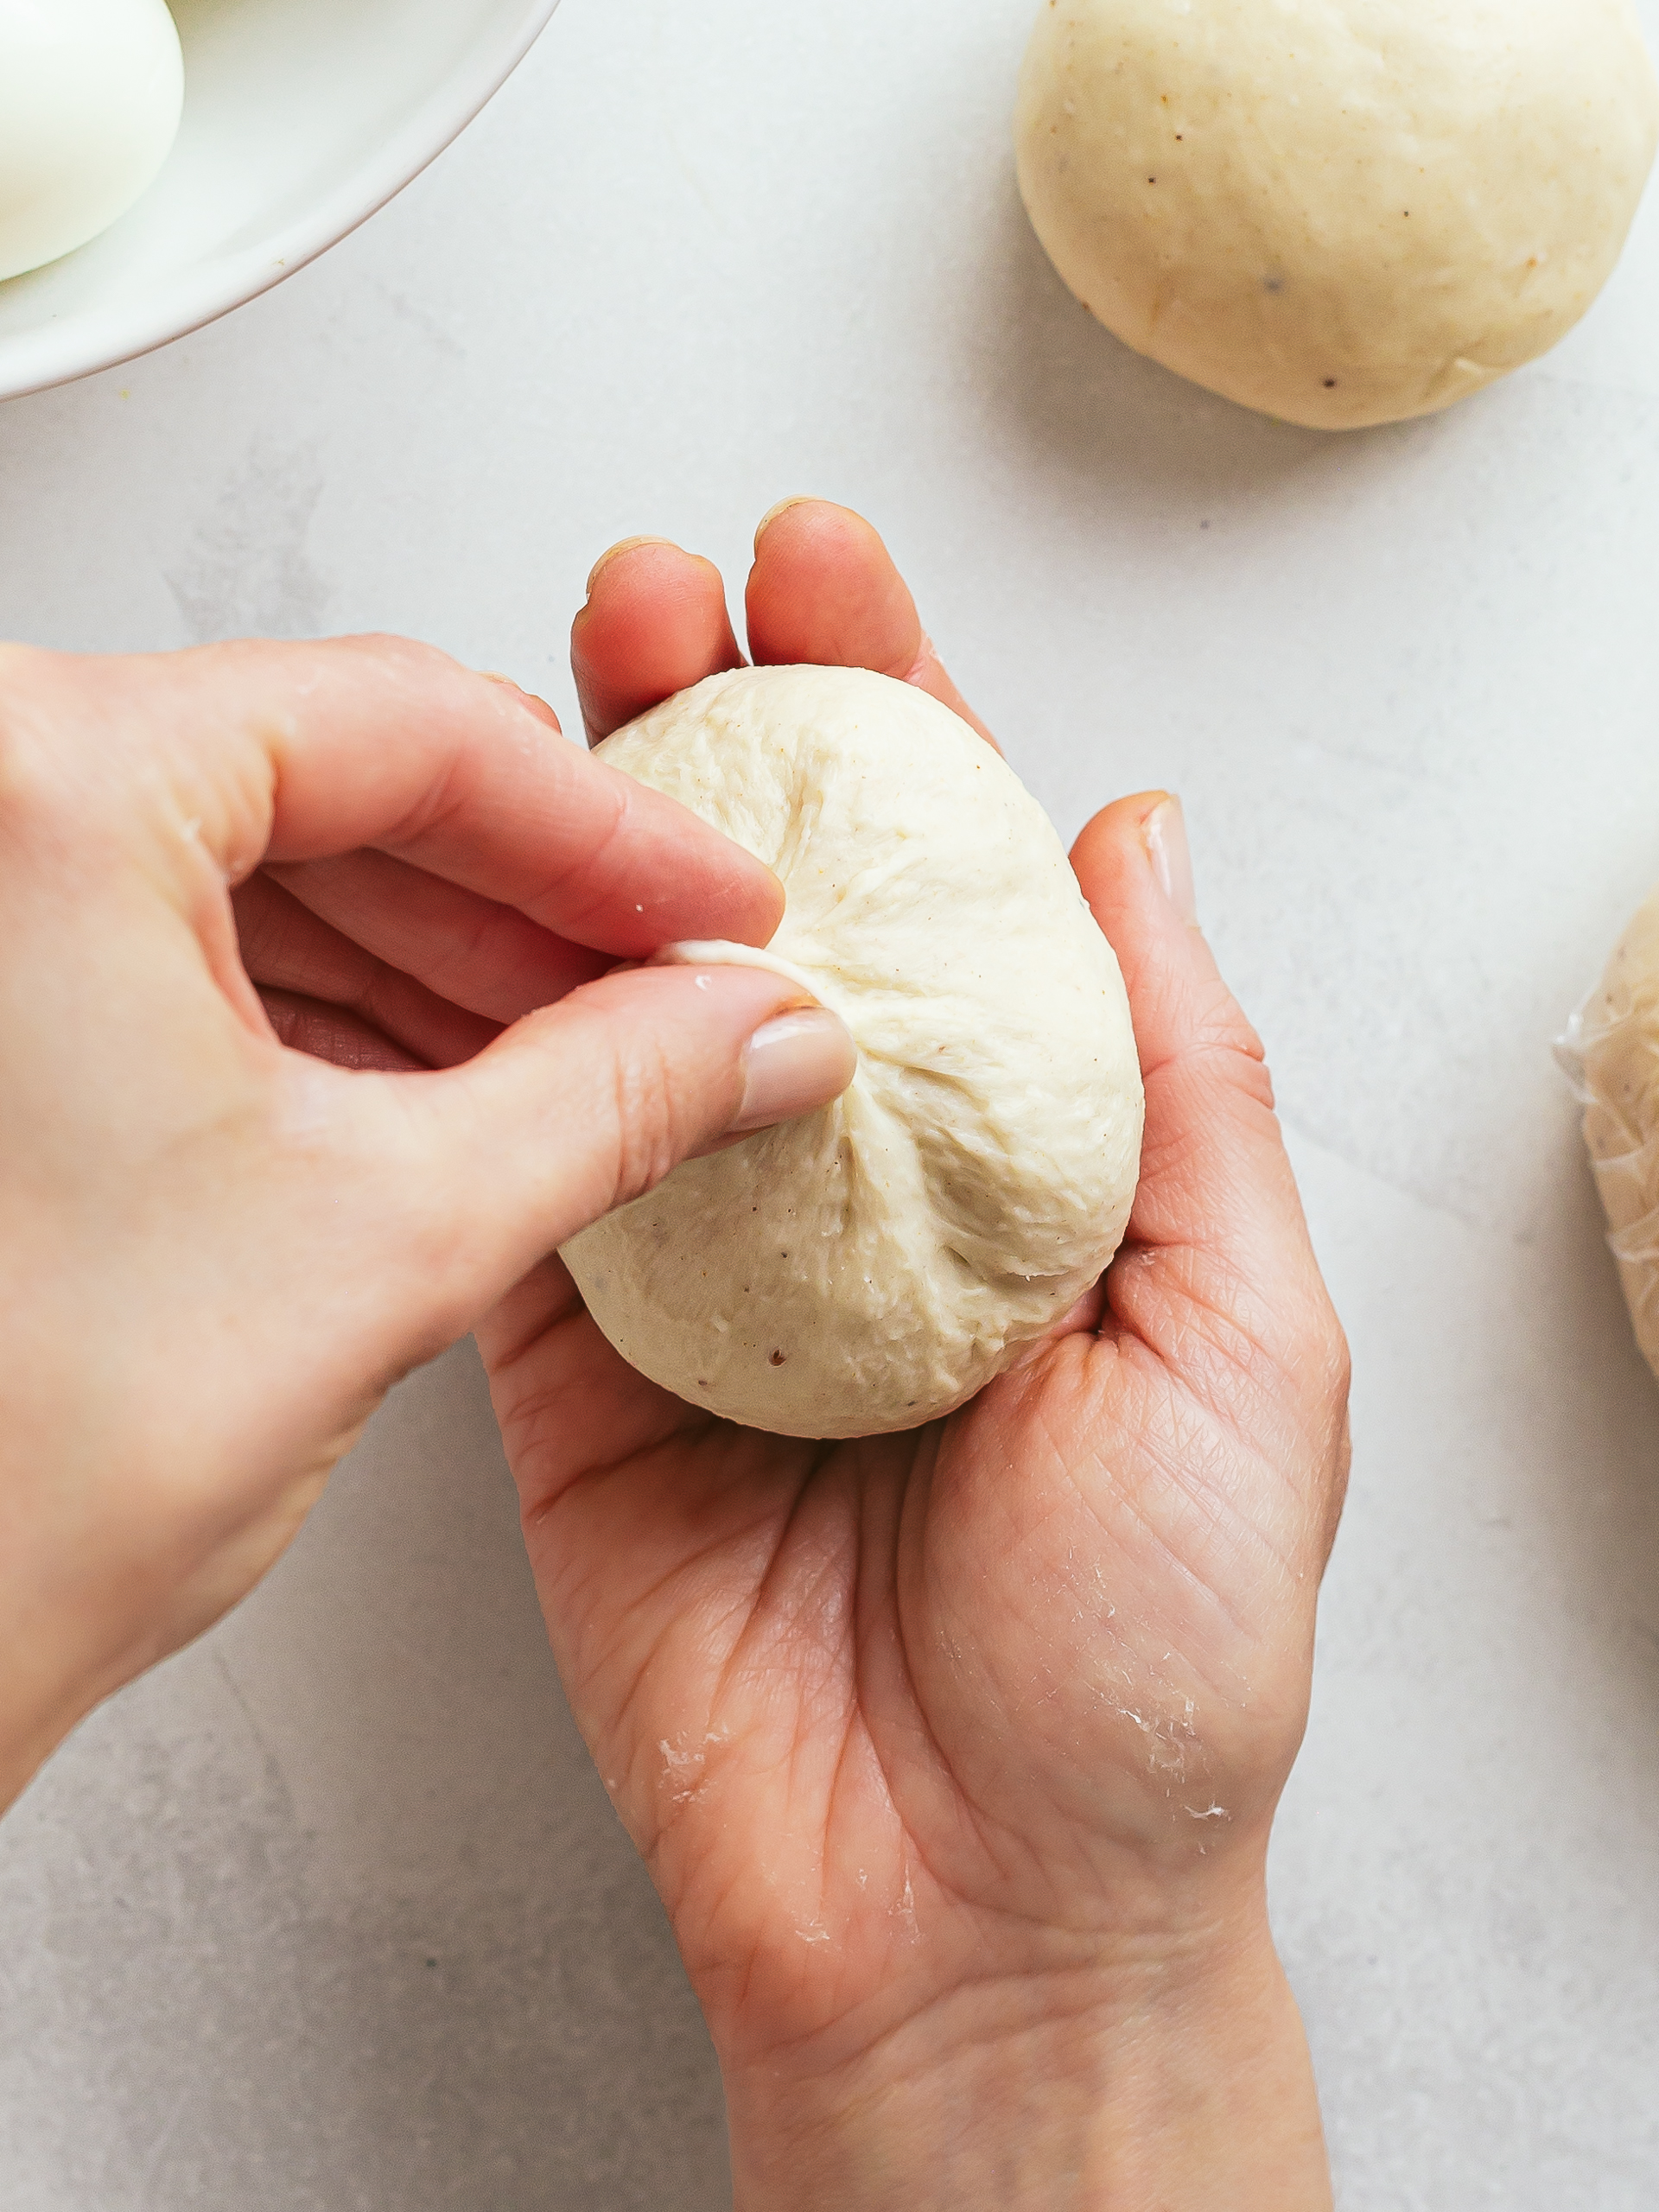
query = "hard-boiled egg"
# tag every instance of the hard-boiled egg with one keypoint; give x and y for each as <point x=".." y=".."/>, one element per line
<point x="91" y="93"/>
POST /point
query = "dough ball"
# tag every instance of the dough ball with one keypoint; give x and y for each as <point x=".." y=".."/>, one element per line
<point x="1339" y="212"/>
<point x="869" y="1267"/>
<point x="1611" y="1049"/>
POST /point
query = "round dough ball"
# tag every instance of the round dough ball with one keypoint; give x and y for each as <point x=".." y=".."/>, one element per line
<point x="1339" y="212"/>
<point x="870" y="1266"/>
<point x="1611" y="1049"/>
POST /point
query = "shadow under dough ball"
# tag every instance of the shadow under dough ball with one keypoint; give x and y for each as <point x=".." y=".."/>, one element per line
<point x="1337" y="212"/>
<point x="870" y="1266"/>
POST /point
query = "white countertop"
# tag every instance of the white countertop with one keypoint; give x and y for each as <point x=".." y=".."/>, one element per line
<point x="332" y="1912"/>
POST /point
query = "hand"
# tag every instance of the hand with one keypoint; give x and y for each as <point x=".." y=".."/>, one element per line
<point x="954" y="1754"/>
<point x="216" y="1250"/>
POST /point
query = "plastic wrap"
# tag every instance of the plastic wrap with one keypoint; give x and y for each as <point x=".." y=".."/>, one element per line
<point x="1610" y="1051"/>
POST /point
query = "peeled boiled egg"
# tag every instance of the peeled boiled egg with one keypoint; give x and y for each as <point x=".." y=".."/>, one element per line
<point x="91" y="93"/>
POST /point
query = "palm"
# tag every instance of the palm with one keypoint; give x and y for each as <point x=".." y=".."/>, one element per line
<point x="964" y="1679"/>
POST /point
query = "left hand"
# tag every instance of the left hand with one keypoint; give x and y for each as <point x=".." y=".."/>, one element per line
<point x="954" y="1754"/>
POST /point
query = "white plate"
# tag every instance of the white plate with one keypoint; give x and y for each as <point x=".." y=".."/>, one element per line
<point x="300" y="117"/>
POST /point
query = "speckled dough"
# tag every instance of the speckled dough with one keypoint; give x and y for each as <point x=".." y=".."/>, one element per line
<point x="871" y="1266"/>
<point x="1339" y="212"/>
<point x="1611" y="1049"/>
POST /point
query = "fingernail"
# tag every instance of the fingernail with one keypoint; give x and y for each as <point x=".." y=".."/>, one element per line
<point x="623" y="546"/>
<point x="795" y="500"/>
<point x="1164" y="833"/>
<point x="537" y="705"/>
<point x="796" y="1062"/>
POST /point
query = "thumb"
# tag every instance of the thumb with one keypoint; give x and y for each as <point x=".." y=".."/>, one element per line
<point x="1216" y="1257"/>
<point x="574" y="1110"/>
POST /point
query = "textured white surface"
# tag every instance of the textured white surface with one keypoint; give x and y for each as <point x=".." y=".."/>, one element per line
<point x="1408" y="684"/>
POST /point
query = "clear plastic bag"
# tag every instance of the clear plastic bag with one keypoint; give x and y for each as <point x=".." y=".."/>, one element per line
<point x="1610" y="1053"/>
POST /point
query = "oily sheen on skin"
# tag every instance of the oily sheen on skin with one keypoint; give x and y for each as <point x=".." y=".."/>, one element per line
<point x="870" y="1266"/>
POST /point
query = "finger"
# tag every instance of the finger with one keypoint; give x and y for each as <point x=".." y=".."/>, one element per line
<point x="573" y="1111"/>
<point x="537" y="1302"/>
<point x="527" y="1368"/>
<point x="472" y="951"/>
<point x="1216" y="1252"/>
<point x="655" y="621"/>
<point x="237" y="754"/>
<point x="823" y="590"/>
<point x="287" y="950"/>
<point x="332" y="1033"/>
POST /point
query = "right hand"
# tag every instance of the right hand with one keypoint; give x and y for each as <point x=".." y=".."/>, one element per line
<point x="218" y="1251"/>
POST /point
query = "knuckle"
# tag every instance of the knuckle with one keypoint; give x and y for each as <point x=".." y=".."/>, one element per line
<point x="30" y="779"/>
<point x="408" y="653"/>
<point x="423" y="667"/>
<point x="1331" y="1373"/>
<point x="1220" y="1022"/>
<point x="1332" y="1360"/>
<point x="649" y="1138"/>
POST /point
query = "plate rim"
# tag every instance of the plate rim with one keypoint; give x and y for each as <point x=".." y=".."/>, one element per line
<point x="92" y="338"/>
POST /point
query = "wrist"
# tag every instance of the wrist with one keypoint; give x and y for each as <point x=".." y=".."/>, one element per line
<point x="1172" y="2074"/>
